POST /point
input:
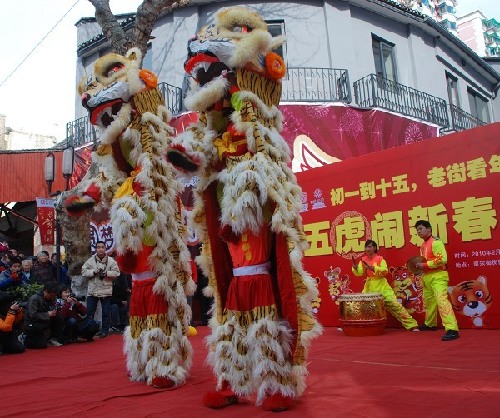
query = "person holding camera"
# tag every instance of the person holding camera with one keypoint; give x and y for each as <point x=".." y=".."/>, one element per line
<point x="77" y="323"/>
<point x="11" y="316"/>
<point x="43" y="325"/>
<point x="101" y="270"/>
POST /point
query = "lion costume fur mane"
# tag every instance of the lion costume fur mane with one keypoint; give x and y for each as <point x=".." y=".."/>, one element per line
<point x="136" y="184"/>
<point x="245" y="182"/>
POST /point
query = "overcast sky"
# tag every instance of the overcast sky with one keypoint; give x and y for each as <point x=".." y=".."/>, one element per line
<point x="490" y="8"/>
<point x="39" y="97"/>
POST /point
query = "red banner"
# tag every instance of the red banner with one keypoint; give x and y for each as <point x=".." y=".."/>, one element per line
<point x="320" y="134"/>
<point x="451" y="181"/>
<point x="45" y="214"/>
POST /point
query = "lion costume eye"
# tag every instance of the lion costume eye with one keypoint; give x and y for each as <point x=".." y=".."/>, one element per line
<point x="113" y="68"/>
<point x="241" y="29"/>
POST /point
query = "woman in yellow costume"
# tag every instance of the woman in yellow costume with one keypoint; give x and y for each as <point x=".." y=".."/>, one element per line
<point x="374" y="268"/>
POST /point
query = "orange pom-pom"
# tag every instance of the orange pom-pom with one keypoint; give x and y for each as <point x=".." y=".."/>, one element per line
<point x="149" y="78"/>
<point x="275" y="66"/>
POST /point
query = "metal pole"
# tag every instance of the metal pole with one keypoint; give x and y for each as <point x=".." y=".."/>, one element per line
<point x="58" y="249"/>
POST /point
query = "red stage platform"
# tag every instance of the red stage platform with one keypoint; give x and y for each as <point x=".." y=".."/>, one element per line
<point x="397" y="374"/>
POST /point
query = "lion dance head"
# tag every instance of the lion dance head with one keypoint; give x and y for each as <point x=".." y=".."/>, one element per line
<point x="234" y="51"/>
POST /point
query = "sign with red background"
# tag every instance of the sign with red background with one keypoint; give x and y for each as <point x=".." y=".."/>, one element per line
<point x="45" y="214"/>
<point x="451" y="181"/>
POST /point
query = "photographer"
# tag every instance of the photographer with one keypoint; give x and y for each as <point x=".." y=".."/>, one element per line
<point x="77" y="324"/>
<point x="101" y="270"/>
<point x="43" y="325"/>
<point x="11" y="316"/>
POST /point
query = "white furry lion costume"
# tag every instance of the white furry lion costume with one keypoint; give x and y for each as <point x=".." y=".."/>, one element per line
<point x="135" y="182"/>
<point x="247" y="214"/>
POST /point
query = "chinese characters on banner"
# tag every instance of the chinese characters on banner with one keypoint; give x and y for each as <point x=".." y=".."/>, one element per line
<point x="451" y="181"/>
<point x="101" y="230"/>
<point x="45" y="213"/>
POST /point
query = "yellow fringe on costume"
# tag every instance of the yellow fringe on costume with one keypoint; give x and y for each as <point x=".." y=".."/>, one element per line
<point x="268" y="91"/>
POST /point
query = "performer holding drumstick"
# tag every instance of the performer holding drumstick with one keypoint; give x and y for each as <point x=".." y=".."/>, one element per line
<point x="374" y="268"/>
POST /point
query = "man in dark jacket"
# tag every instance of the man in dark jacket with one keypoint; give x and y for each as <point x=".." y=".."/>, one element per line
<point x="43" y="326"/>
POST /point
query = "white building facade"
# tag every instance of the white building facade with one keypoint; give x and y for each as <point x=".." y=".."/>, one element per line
<point x="394" y="49"/>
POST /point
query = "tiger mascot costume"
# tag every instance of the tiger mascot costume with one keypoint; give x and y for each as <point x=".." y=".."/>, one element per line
<point x="135" y="183"/>
<point x="247" y="214"/>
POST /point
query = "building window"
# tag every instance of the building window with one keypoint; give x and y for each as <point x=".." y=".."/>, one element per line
<point x="277" y="28"/>
<point x="478" y="106"/>
<point x="383" y="54"/>
<point x="452" y="86"/>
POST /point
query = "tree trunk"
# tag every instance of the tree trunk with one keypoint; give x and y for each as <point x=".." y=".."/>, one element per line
<point x="140" y="34"/>
<point x="76" y="230"/>
<point x="76" y="237"/>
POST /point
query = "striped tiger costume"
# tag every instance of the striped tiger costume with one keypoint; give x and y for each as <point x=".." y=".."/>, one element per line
<point x="132" y="178"/>
<point x="247" y="214"/>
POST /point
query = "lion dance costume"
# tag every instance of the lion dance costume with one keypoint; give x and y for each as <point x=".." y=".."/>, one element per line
<point x="135" y="182"/>
<point x="247" y="214"/>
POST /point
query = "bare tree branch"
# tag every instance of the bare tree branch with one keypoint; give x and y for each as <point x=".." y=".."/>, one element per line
<point x="110" y="26"/>
<point x="140" y="34"/>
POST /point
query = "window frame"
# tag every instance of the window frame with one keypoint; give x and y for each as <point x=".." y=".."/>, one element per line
<point x="278" y="23"/>
<point x="384" y="46"/>
<point x="477" y="111"/>
<point x="452" y="89"/>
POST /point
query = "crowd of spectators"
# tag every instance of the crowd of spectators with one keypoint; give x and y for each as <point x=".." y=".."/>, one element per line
<point x="38" y="308"/>
<point x="51" y="315"/>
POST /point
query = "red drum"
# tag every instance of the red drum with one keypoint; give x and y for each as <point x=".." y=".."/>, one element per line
<point x="362" y="314"/>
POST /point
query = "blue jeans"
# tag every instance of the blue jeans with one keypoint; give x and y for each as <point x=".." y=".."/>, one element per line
<point x="106" y="310"/>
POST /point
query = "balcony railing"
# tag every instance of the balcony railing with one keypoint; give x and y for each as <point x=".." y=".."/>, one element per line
<point x="316" y="85"/>
<point x="172" y="96"/>
<point x="326" y="85"/>
<point x="461" y="120"/>
<point x="81" y="131"/>
<point x="375" y="91"/>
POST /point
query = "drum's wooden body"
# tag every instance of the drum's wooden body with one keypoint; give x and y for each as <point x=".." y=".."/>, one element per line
<point x="362" y="314"/>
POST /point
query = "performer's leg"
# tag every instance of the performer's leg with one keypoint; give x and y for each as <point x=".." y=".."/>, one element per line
<point x="440" y="287"/>
<point x="229" y="358"/>
<point x="157" y="349"/>
<point x="271" y="364"/>
<point x="430" y="304"/>
<point x="393" y="306"/>
<point x="398" y="311"/>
